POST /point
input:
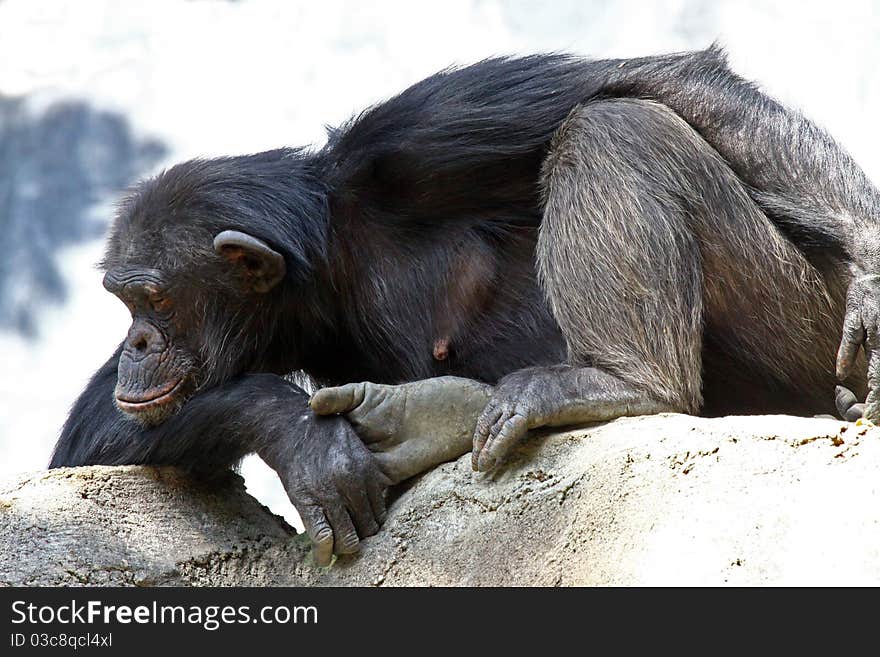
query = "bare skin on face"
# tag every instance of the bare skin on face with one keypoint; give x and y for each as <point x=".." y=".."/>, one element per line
<point x="155" y="372"/>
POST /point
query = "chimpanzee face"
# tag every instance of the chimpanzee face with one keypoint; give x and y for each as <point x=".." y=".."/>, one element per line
<point x="189" y="329"/>
<point x="157" y="368"/>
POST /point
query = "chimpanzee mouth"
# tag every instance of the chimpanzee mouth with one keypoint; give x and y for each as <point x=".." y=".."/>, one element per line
<point x="129" y="402"/>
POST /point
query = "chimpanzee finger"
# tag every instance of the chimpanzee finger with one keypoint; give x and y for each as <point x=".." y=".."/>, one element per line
<point x="510" y="434"/>
<point x="485" y="462"/>
<point x="345" y="537"/>
<point x="487" y="418"/>
<point x="328" y="401"/>
<point x="871" y="410"/>
<point x="361" y="512"/>
<point x="853" y="338"/>
<point x="485" y="422"/>
<point x="376" y="494"/>
<point x="855" y="412"/>
<point x="493" y="432"/>
<point x="848" y="406"/>
<point x="319" y="531"/>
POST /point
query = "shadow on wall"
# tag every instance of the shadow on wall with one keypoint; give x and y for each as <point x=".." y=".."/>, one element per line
<point x="53" y="168"/>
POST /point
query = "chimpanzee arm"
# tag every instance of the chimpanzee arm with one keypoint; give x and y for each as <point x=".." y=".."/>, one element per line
<point x="329" y="475"/>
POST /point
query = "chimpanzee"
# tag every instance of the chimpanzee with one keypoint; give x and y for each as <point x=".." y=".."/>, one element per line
<point x="556" y="240"/>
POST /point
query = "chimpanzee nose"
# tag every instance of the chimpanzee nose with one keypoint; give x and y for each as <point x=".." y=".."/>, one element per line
<point x="143" y="339"/>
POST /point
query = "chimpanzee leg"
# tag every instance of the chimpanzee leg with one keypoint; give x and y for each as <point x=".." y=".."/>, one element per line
<point x="805" y="182"/>
<point x="413" y="427"/>
<point x="650" y="247"/>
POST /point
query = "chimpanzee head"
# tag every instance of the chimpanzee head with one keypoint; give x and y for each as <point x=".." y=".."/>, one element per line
<point x="189" y="255"/>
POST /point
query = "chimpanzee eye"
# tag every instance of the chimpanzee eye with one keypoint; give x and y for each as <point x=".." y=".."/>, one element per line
<point x="160" y="304"/>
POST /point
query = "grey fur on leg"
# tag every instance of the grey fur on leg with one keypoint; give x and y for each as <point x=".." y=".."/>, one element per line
<point x="618" y="262"/>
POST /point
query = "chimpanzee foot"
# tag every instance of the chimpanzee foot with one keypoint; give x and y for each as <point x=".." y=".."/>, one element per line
<point x="551" y="396"/>
<point x="521" y="401"/>
<point x="412" y="427"/>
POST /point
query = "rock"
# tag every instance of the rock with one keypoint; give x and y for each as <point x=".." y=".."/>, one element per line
<point x="112" y="526"/>
<point x="659" y="500"/>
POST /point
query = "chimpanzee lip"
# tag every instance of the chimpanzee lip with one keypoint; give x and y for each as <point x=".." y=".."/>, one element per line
<point x="159" y="396"/>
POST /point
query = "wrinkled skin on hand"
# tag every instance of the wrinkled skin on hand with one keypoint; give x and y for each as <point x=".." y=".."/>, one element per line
<point x="334" y="483"/>
<point x="409" y="428"/>
<point x="861" y="329"/>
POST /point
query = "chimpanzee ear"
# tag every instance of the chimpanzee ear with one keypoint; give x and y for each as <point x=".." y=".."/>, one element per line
<point x="262" y="267"/>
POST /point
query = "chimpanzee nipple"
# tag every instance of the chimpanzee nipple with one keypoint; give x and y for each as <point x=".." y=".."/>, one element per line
<point x="441" y="348"/>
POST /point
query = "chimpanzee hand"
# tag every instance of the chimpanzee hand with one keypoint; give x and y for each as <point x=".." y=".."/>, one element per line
<point x="410" y="428"/>
<point x="861" y="328"/>
<point x="334" y="483"/>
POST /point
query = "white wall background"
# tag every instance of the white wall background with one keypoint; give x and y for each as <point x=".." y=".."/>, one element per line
<point x="209" y="77"/>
